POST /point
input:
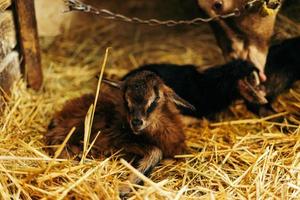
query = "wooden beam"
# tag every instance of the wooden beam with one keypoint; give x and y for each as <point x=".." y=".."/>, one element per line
<point x="29" y="42"/>
<point x="4" y="4"/>
<point x="7" y="33"/>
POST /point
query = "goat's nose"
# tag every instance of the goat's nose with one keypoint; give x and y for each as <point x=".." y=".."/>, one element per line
<point x="218" y="5"/>
<point x="136" y="122"/>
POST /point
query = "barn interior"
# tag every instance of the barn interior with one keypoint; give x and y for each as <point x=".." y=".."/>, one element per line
<point x="237" y="155"/>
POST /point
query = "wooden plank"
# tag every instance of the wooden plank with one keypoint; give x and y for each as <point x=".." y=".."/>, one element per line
<point x="28" y="41"/>
<point x="7" y="33"/>
<point x="9" y="71"/>
<point x="4" y="4"/>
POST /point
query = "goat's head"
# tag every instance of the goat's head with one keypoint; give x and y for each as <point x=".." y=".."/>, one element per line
<point x="145" y="96"/>
<point x="220" y="7"/>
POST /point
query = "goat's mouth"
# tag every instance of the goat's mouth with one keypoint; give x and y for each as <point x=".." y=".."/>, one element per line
<point x="137" y="130"/>
<point x="251" y="89"/>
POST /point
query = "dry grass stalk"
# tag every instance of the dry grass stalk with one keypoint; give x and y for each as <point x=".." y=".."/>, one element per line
<point x="90" y="115"/>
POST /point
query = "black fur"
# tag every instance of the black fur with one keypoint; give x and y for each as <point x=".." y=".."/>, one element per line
<point x="215" y="89"/>
<point x="210" y="91"/>
<point x="283" y="66"/>
<point x="282" y="70"/>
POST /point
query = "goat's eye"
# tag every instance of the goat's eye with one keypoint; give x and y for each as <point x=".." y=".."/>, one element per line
<point x="130" y="110"/>
<point x="152" y="106"/>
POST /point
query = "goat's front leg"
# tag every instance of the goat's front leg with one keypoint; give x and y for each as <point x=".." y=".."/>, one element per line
<point x="152" y="156"/>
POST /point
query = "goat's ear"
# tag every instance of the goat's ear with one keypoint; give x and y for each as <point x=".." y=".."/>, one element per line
<point x="171" y="95"/>
<point x="113" y="83"/>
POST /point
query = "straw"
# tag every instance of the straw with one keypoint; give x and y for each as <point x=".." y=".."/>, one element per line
<point x="237" y="156"/>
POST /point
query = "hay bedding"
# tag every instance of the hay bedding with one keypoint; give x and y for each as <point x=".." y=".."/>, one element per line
<point x="241" y="157"/>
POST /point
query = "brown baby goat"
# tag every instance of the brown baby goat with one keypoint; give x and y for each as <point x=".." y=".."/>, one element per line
<point x="137" y="115"/>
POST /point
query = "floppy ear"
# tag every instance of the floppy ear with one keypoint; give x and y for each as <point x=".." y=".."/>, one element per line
<point x="115" y="84"/>
<point x="171" y="95"/>
<point x="181" y="102"/>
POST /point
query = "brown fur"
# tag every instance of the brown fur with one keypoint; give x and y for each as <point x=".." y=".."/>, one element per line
<point x="245" y="37"/>
<point x="162" y="137"/>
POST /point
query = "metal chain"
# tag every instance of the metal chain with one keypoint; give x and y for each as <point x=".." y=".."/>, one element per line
<point x="75" y="5"/>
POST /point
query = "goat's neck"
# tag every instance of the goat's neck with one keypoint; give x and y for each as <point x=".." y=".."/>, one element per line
<point x="164" y="121"/>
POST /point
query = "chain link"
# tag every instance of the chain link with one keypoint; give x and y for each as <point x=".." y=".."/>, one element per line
<point x="75" y="5"/>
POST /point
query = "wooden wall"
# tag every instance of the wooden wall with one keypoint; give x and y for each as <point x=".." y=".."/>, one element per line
<point x="9" y="57"/>
<point x="19" y="45"/>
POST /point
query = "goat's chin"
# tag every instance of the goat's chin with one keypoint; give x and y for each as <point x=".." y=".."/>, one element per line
<point x="139" y="130"/>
